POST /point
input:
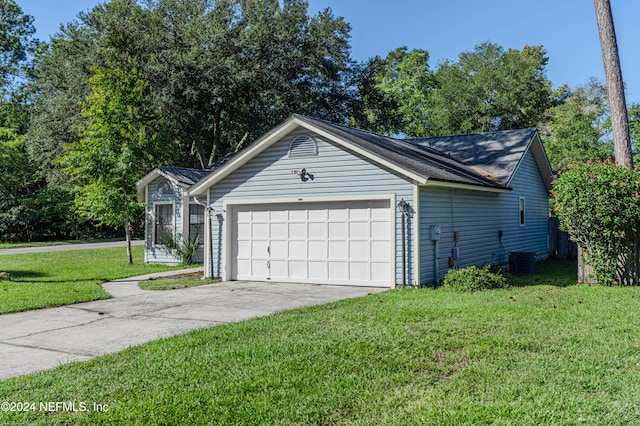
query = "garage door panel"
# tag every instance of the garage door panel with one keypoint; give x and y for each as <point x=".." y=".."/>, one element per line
<point x="337" y="271"/>
<point x="317" y="230"/>
<point x="261" y="214"/>
<point x="297" y="249"/>
<point x="337" y="250"/>
<point x="317" y="270"/>
<point x="359" y="250"/>
<point x="319" y="214"/>
<point x="379" y="271"/>
<point x="338" y="214"/>
<point x="359" y="271"/>
<point x="243" y="230"/>
<point x="317" y="250"/>
<point x="380" y="230"/>
<point x="379" y="250"/>
<point x="347" y="242"/>
<point x="259" y="249"/>
<point x="277" y="249"/>
<point x="298" y="230"/>
<point x="359" y="230"/>
<point x="297" y="269"/>
<point x="298" y="213"/>
<point x="259" y="230"/>
<point x="279" y="215"/>
<point x="338" y="230"/>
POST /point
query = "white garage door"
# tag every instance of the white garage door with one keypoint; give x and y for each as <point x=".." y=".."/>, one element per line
<point x="346" y="242"/>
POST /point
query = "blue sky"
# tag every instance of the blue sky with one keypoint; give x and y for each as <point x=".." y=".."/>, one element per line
<point x="445" y="28"/>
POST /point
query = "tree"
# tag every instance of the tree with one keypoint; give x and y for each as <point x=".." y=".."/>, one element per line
<point x="578" y="129"/>
<point x="487" y="89"/>
<point x="615" y="86"/>
<point x="395" y="94"/>
<point x="219" y="73"/>
<point x="16" y="43"/>
<point x="634" y="131"/>
<point x="117" y="145"/>
<point x="491" y="89"/>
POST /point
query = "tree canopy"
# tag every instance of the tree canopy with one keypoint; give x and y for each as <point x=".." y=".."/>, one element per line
<point x="487" y="89"/>
<point x="220" y="72"/>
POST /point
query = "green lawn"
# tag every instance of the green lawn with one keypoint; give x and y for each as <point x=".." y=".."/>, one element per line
<point x="529" y="355"/>
<point x="60" y="278"/>
<point x="173" y="283"/>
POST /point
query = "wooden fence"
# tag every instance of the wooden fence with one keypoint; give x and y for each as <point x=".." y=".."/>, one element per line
<point x="560" y="246"/>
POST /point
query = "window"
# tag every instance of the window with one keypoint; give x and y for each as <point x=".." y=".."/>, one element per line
<point x="303" y="146"/>
<point x="522" y="217"/>
<point x="196" y="222"/>
<point x="163" y="229"/>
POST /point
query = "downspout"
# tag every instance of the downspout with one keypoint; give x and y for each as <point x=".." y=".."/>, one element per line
<point x="207" y="214"/>
<point x="404" y="206"/>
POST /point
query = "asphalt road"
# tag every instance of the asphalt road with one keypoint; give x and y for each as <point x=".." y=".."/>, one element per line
<point x="67" y="247"/>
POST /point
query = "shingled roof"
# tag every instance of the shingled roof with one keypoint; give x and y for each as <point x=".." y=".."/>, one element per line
<point x="487" y="159"/>
<point x="497" y="153"/>
<point x="184" y="175"/>
<point x="483" y="160"/>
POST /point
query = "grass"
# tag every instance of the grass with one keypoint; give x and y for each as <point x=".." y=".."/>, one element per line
<point x="49" y="279"/>
<point x="547" y="353"/>
<point x="174" y="283"/>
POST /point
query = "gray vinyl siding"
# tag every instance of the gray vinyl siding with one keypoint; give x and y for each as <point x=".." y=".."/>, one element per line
<point x="336" y="173"/>
<point x="153" y="253"/>
<point x="478" y="216"/>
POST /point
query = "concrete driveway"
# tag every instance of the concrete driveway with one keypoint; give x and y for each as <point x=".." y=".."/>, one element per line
<point x="42" y="339"/>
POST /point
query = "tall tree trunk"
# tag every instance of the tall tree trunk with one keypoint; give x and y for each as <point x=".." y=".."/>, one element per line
<point x="127" y="233"/>
<point x="615" y="86"/>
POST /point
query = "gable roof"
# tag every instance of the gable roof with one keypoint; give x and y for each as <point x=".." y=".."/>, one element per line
<point x="425" y="162"/>
<point x="181" y="176"/>
<point x="484" y="161"/>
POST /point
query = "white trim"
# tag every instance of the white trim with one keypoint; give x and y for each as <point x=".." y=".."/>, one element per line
<point x="394" y="238"/>
<point x="416" y="235"/>
<point x="185" y="217"/>
<point x="147" y="215"/>
<point x="228" y="211"/>
<point x="153" y="219"/>
<point x="454" y="185"/>
<point x="319" y="199"/>
<point x="279" y="132"/>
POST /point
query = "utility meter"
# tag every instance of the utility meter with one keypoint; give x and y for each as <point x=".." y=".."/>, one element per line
<point x="435" y="232"/>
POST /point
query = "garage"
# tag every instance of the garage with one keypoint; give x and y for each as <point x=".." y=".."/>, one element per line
<point x="333" y="242"/>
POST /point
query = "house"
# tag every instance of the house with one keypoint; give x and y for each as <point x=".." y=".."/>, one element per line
<point x="317" y="202"/>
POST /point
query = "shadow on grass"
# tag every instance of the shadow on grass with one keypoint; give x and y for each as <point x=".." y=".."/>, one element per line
<point x="555" y="272"/>
<point x="23" y="276"/>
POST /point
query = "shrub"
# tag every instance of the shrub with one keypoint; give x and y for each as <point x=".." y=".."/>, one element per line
<point x="474" y="278"/>
<point x="598" y="203"/>
<point x="185" y="250"/>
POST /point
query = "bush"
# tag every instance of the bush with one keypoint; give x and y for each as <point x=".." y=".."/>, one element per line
<point x="476" y="278"/>
<point x="598" y="203"/>
<point x="185" y="250"/>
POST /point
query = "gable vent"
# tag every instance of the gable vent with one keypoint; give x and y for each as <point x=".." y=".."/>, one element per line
<point x="303" y="146"/>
